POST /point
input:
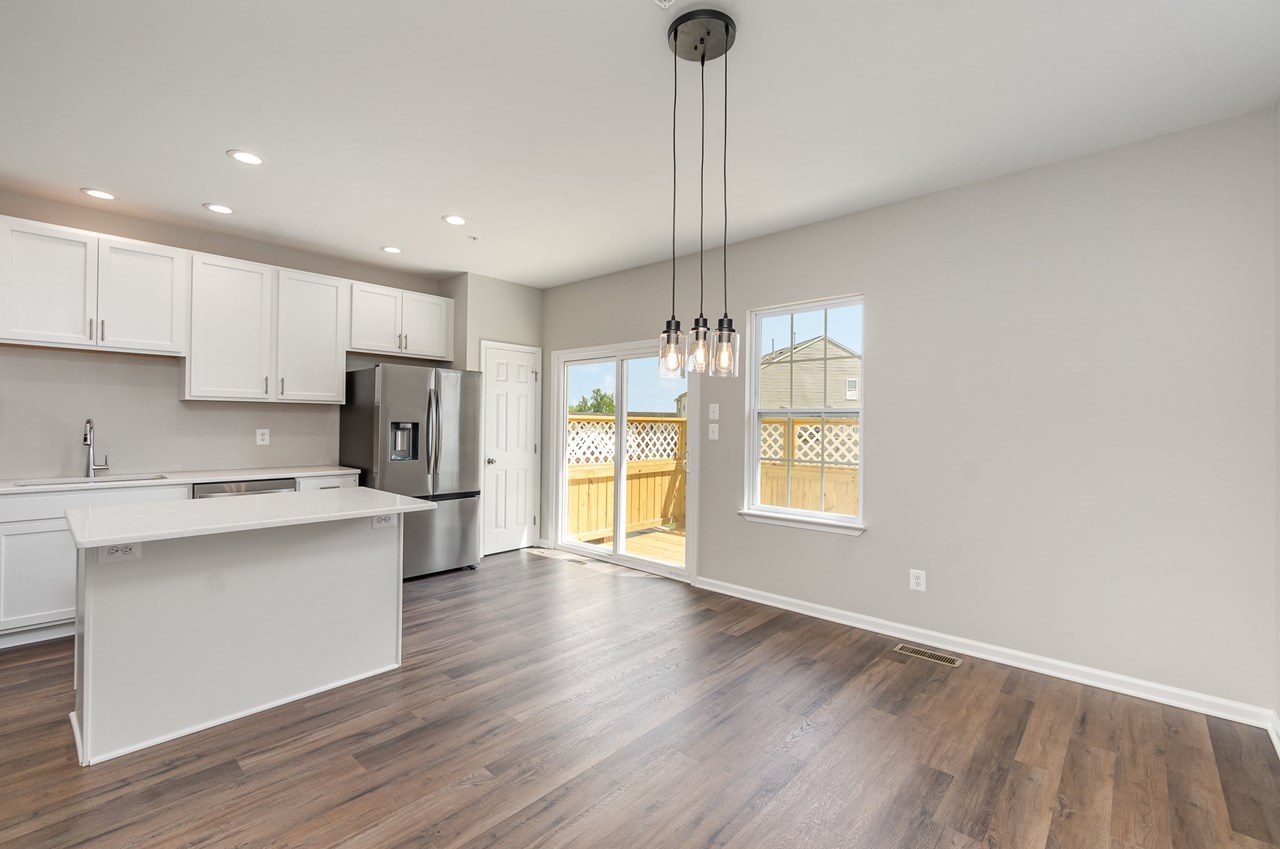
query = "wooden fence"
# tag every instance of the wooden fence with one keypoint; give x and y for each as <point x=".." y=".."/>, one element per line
<point x="655" y="474"/>
<point x="824" y="463"/>
<point x="656" y="479"/>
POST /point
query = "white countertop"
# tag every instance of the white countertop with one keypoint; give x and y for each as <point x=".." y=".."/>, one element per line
<point x="9" y="487"/>
<point x="94" y="527"/>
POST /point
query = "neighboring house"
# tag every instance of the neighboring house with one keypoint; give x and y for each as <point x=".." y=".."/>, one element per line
<point x="806" y="366"/>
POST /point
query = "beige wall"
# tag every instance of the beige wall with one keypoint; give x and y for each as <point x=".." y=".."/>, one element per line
<point x="1130" y="530"/>
<point x="486" y="308"/>
<point x="46" y="394"/>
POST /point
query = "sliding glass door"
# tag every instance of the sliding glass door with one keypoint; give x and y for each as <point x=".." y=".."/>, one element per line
<point x="624" y="479"/>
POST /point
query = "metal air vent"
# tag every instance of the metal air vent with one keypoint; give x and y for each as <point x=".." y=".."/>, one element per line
<point x="944" y="659"/>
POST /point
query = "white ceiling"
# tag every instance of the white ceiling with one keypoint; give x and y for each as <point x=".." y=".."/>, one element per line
<point x="547" y="124"/>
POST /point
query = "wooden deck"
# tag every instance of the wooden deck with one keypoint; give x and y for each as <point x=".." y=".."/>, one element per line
<point x="663" y="544"/>
<point x="560" y="704"/>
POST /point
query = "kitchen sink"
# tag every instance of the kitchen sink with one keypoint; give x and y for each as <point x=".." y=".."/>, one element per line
<point x="98" y="479"/>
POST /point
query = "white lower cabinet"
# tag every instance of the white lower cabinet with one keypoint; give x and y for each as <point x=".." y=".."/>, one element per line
<point x="38" y="558"/>
<point x="37" y="573"/>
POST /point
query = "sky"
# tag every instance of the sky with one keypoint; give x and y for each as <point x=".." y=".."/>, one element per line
<point x="649" y="393"/>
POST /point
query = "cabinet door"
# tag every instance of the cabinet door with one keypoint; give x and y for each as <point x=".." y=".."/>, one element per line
<point x="311" y="352"/>
<point x="375" y="318"/>
<point x="37" y="573"/>
<point x="427" y="324"/>
<point x="142" y="296"/>
<point x="48" y="283"/>
<point x="230" y="330"/>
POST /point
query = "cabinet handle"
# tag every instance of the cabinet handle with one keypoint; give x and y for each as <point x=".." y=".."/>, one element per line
<point x="400" y="341"/>
<point x="282" y="386"/>
<point x="406" y="341"/>
<point x="265" y="391"/>
<point x="91" y="330"/>
<point x="102" y="330"/>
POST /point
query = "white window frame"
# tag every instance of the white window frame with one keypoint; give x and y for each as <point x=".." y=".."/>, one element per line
<point x="752" y="510"/>
<point x="851" y="389"/>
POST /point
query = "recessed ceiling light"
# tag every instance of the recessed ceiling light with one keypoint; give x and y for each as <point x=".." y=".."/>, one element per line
<point x="391" y="249"/>
<point x="218" y="208"/>
<point x="99" y="194"/>
<point x="455" y="220"/>
<point x="245" y="156"/>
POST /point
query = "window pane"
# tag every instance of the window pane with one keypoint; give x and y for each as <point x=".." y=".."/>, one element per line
<point x="655" y="464"/>
<point x="844" y="329"/>
<point x="844" y="383"/>
<point x="775" y="337"/>
<point x="807" y="380"/>
<point x="773" y="448"/>
<point x="841" y="449"/>
<point x="775" y="385"/>
<point x="808" y="340"/>
<point x="773" y="438"/>
<point x="806" y="486"/>
<point x="589" y="453"/>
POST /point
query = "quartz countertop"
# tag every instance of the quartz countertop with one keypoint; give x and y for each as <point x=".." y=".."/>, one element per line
<point x="9" y="487"/>
<point x="94" y="527"/>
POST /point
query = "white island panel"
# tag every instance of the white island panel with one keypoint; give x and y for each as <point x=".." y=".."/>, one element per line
<point x="198" y="633"/>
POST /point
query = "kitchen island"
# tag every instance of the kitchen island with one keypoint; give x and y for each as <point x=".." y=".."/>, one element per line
<point x="194" y="613"/>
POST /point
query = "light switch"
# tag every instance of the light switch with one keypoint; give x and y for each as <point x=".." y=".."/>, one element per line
<point x="713" y="432"/>
<point x="713" y="412"/>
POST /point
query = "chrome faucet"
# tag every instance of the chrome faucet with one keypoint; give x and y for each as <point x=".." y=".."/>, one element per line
<point x="91" y="468"/>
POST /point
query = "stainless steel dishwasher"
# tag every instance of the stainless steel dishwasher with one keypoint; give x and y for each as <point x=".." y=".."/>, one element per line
<point x="223" y="489"/>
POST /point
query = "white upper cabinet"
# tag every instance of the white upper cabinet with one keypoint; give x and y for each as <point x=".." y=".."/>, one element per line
<point x="231" y="327"/>
<point x="142" y="296"/>
<point x="394" y="321"/>
<point x="69" y="288"/>
<point x="311" y="346"/>
<point x="427" y="326"/>
<point x="48" y="283"/>
<point x="375" y="318"/>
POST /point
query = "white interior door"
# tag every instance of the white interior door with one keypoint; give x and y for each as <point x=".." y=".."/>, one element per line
<point x="511" y="472"/>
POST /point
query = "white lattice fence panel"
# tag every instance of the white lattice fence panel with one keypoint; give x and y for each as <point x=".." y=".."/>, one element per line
<point x="843" y="443"/>
<point x="589" y="441"/>
<point x="653" y="440"/>
<point x="773" y="439"/>
<point x="808" y="443"/>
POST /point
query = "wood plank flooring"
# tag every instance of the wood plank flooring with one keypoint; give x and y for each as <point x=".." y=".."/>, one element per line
<point x="567" y="705"/>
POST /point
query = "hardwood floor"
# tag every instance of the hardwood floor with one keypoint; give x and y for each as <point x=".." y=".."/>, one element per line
<point x="548" y="703"/>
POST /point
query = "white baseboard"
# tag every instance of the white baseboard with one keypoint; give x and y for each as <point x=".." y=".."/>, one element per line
<point x="1254" y="715"/>
<point x="37" y="635"/>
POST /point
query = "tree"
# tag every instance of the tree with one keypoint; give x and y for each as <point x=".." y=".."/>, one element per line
<point x="599" y="402"/>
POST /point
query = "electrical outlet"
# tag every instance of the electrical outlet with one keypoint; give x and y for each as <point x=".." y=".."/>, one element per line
<point x="713" y="412"/>
<point x="123" y="551"/>
<point x="713" y="432"/>
<point x="916" y="581"/>
<point x="264" y="436"/>
<point x="387" y="521"/>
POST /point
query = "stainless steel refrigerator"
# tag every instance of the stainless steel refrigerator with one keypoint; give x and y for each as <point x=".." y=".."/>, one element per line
<point x="416" y="431"/>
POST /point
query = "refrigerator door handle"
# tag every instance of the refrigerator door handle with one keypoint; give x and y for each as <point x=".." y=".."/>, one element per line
<point x="435" y="451"/>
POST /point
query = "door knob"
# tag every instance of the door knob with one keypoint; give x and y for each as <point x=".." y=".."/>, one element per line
<point x="490" y="461"/>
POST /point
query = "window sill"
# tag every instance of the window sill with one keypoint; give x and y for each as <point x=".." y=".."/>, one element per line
<point x="831" y="526"/>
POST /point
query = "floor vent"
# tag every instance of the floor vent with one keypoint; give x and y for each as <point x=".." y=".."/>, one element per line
<point x="944" y="659"/>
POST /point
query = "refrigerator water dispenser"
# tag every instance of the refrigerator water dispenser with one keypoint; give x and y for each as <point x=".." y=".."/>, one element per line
<point x="404" y="441"/>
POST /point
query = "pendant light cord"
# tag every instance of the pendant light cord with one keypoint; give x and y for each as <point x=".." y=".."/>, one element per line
<point x="675" y="94"/>
<point x="702" y="178"/>
<point x="724" y="163"/>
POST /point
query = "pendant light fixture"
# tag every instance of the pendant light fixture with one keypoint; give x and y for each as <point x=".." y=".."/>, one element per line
<point x="672" y="344"/>
<point x="724" y="343"/>
<point x="699" y="36"/>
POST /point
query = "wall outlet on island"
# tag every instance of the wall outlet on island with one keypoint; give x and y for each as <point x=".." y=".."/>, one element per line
<point x="916" y="580"/>
<point x="264" y="436"/>
<point x="123" y="551"/>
